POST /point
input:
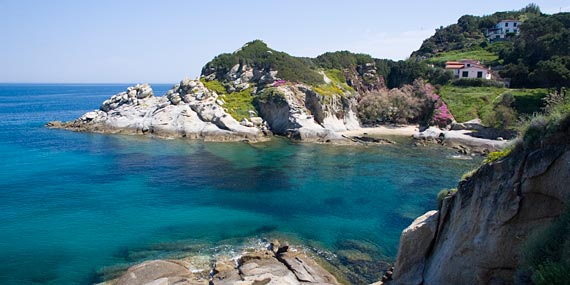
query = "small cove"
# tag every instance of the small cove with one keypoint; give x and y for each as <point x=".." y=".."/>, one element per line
<point x="75" y="203"/>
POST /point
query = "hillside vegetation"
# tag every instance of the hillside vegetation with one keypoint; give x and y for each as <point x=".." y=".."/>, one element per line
<point x="496" y="107"/>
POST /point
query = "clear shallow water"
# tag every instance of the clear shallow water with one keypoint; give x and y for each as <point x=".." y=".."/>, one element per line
<point x="73" y="203"/>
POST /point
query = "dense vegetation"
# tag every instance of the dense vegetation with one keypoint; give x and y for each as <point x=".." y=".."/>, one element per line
<point x="409" y="104"/>
<point x="258" y="55"/>
<point x="469" y="32"/>
<point x="540" y="55"/>
<point x="495" y="106"/>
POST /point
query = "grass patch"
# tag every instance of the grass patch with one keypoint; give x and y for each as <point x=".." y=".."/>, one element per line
<point x="486" y="57"/>
<point x="214" y="85"/>
<point x="529" y="101"/>
<point x="328" y="90"/>
<point x="335" y="75"/>
<point x="337" y="86"/>
<point x="238" y="104"/>
<point x="467" y="103"/>
<point x="497" y="155"/>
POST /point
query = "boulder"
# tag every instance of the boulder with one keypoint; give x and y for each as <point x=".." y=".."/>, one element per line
<point x="158" y="272"/>
<point x="415" y="243"/>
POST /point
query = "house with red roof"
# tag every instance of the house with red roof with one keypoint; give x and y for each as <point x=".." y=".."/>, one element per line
<point x="468" y="69"/>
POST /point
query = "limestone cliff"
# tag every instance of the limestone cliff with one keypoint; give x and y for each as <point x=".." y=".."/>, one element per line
<point x="476" y="236"/>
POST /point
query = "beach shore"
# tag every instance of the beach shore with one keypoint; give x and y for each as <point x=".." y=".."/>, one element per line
<point x="400" y="130"/>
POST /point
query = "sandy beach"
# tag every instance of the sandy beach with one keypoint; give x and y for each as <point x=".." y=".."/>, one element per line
<point x="404" y="130"/>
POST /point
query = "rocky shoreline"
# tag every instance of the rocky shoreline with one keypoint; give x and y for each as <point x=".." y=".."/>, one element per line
<point x="192" y="111"/>
<point x="276" y="264"/>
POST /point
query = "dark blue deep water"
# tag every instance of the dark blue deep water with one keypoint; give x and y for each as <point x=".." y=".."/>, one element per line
<point x="74" y="203"/>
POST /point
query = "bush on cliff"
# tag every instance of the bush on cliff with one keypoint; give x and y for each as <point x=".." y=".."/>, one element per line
<point x="556" y="117"/>
<point x="546" y="255"/>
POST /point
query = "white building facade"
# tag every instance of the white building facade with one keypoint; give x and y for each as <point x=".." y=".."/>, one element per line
<point x="502" y="29"/>
<point x="469" y="69"/>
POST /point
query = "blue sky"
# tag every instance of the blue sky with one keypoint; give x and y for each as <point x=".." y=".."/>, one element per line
<point x="165" y="41"/>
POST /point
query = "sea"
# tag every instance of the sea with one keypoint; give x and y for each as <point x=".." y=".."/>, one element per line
<point x="77" y="208"/>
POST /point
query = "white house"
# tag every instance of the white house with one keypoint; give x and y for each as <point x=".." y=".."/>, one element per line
<point x="502" y="29"/>
<point x="468" y="69"/>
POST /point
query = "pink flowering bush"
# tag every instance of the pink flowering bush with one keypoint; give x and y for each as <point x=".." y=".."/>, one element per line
<point x="441" y="117"/>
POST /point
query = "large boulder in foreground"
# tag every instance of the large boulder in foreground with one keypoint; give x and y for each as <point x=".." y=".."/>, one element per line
<point x="415" y="243"/>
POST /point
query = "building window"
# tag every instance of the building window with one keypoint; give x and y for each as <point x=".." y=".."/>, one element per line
<point x="465" y="74"/>
<point x="479" y="74"/>
<point x="506" y="24"/>
<point x="514" y="24"/>
<point x="508" y="31"/>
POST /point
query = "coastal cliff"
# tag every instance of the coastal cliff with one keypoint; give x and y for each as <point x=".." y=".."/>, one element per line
<point x="478" y="234"/>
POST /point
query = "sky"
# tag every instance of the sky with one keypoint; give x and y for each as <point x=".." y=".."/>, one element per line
<point x="131" y="41"/>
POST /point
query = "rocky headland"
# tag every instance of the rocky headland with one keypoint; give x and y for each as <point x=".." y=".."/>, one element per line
<point x="254" y="93"/>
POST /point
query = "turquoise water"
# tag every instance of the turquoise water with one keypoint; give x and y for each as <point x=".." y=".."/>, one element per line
<point x="74" y="203"/>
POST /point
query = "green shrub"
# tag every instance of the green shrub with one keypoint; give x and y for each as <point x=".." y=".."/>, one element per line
<point x="238" y="104"/>
<point x="214" y="85"/>
<point x="268" y="95"/>
<point x="556" y="117"/>
<point x="546" y="254"/>
<point x="497" y="155"/>
<point x="256" y="54"/>
<point x="444" y="193"/>
<point x="342" y="60"/>
<point x="409" y="104"/>
<point x="468" y="174"/>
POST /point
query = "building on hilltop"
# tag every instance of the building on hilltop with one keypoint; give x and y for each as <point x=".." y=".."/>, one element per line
<point x="503" y="29"/>
<point x="468" y="69"/>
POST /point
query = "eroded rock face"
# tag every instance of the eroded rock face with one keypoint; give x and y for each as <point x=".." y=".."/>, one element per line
<point x="188" y="110"/>
<point x="258" y="267"/>
<point x="303" y="114"/>
<point x="481" y="229"/>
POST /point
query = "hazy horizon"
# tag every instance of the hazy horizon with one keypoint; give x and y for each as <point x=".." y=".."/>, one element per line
<point x="143" y="41"/>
